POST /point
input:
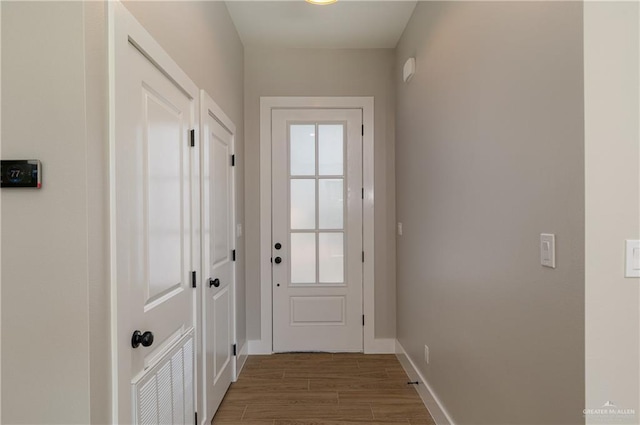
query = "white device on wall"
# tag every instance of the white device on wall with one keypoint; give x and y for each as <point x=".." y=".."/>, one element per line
<point x="548" y="250"/>
<point x="409" y="69"/>
<point x="632" y="262"/>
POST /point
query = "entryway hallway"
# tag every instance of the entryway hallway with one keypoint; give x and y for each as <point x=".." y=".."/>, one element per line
<point x="322" y="389"/>
<point x="500" y="184"/>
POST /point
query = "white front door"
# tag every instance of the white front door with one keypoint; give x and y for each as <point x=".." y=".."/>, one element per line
<point x="153" y="193"/>
<point x="317" y="229"/>
<point x="218" y="256"/>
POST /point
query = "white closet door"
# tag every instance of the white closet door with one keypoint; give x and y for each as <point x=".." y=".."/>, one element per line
<point x="154" y="198"/>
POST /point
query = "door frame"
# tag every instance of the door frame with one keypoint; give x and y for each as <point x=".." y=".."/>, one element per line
<point x="208" y="107"/>
<point x="366" y="103"/>
<point x="124" y="29"/>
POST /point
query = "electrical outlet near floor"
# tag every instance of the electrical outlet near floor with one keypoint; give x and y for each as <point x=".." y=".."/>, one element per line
<point x="426" y="354"/>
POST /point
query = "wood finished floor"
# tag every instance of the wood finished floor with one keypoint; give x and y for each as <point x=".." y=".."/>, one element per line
<point x="322" y="389"/>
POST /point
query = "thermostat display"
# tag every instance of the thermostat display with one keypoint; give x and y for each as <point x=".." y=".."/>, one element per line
<point x="21" y="173"/>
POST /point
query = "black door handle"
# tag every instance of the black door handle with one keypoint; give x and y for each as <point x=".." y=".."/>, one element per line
<point x="277" y="260"/>
<point x="278" y="245"/>
<point x="214" y="282"/>
<point x="146" y="339"/>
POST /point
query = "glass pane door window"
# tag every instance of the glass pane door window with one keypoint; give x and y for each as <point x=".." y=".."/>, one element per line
<point x="317" y="202"/>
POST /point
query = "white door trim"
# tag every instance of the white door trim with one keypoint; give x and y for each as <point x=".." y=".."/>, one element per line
<point x="208" y="107"/>
<point x="265" y="344"/>
<point x="123" y="29"/>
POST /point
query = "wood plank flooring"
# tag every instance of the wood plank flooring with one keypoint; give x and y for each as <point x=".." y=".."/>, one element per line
<point x="322" y="389"/>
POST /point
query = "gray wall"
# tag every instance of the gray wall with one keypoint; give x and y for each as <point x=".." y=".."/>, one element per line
<point x="489" y="154"/>
<point x="325" y="72"/>
<point x="612" y="167"/>
<point x="45" y="314"/>
<point x="54" y="265"/>
<point x="96" y="111"/>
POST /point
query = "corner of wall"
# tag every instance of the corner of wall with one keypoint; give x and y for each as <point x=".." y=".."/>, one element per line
<point x="431" y="401"/>
<point x="96" y="113"/>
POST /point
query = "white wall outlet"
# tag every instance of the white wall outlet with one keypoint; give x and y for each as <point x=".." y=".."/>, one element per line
<point x="632" y="268"/>
<point x="548" y="250"/>
<point x="426" y="354"/>
<point x="399" y="229"/>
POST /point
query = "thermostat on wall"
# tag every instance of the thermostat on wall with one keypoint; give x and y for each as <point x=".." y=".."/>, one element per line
<point x="21" y="173"/>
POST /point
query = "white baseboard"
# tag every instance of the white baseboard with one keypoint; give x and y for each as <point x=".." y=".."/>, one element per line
<point x="259" y="347"/>
<point x="381" y="346"/>
<point x="428" y="396"/>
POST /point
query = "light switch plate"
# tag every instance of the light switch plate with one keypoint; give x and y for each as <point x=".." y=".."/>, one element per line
<point x="548" y="250"/>
<point x="632" y="263"/>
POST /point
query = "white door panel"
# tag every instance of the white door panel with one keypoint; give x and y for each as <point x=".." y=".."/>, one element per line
<point x="317" y="229"/>
<point x="222" y="335"/>
<point x="156" y="178"/>
<point x="218" y="270"/>
<point x="153" y="193"/>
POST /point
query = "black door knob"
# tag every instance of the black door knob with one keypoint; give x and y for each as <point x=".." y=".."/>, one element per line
<point x="146" y="339"/>
<point x="278" y="245"/>
<point x="277" y="260"/>
<point x="214" y="282"/>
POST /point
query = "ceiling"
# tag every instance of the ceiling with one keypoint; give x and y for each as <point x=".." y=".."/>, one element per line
<point x="297" y="24"/>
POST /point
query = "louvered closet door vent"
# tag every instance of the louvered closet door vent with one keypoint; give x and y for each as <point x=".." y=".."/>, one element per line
<point x="164" y="394"/>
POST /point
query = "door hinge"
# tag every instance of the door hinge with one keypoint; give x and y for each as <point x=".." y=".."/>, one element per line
<point x="363" y="129"/>
<point x="196" y="419"/>
<point x="234" y="350"/>
<point x="192" y="136"/>
<point x="363" y="320"/>
<point x="193" y="279"/>
<point x="363" y="193"/>
<point x="363" y="256"/>
<point x="233" y="255"/>
<point x="233" y="160"/>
